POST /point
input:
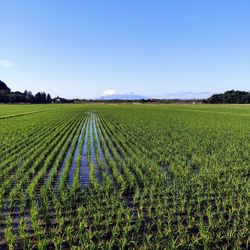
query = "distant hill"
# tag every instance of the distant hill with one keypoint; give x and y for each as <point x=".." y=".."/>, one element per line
<point x="167" y="96"/>
<point x="188" y="95"/>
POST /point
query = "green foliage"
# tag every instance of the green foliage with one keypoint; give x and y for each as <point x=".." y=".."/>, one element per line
<point x="230" y="96"/>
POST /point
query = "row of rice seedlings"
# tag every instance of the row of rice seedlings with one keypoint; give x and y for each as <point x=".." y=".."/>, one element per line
<point x="29" y="128"/>
<point x="101" y="160"/>
<point x="13" y="162"/>
<point x="135" y="148"/>
<point x="63" y="184"/>
<point x="31" y="165"/>
<point x="42" y="196"/>
<point x="141" y="164"/>
<point x="57" y="175"/>
<point x="141" y="201"/>
<point x="11" y="180"/>
<point x="28" y="140"/>
<point x="139" y="214"/>
<point x="136" y="189"/>
<point x="130" y="136"/>
<point x="77" y="152"/>
<point x="110" y="160"/>
<point x="14" y="192"/>
<point x="183" y="184"/>
<point x="123" y="167"/>
<point x="50" y="160"/>
<point x="141" y="205"/>
<point x="62" y="156"/>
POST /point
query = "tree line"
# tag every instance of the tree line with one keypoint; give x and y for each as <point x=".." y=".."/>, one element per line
<point x="28" y="97"/>
<point x="7" y="96"/>
<point x="231" y="96"/>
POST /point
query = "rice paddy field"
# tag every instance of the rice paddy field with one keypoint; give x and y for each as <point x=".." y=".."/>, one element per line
<point x="124" y="176"/>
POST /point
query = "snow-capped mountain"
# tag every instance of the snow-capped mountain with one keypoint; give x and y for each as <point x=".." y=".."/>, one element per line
<point x="113" y="95"/>
<point x="116" y="95"/>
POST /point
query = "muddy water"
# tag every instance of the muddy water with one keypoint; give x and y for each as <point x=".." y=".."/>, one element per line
<point x="62" y="167"/>
<point x="90" y="126"/>
<point x="66" y="158"/>
<point x="73" y="165"/>
<point x="93" y="153"/>
<point x="101" y="154"/>
<point x="167" y="171"/>
<point x="84" y="168"/>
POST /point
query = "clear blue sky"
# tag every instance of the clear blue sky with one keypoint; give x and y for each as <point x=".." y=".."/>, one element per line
<point x="83" y="48"/>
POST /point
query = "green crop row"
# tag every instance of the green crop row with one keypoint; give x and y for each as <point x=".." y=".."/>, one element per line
<point x="125" y="177"/>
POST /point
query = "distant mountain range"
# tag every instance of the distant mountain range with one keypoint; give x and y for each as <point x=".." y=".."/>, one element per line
<point x="176" y="95"/>
<point x="121" y="96"/>
<point x="184" y="95"/>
